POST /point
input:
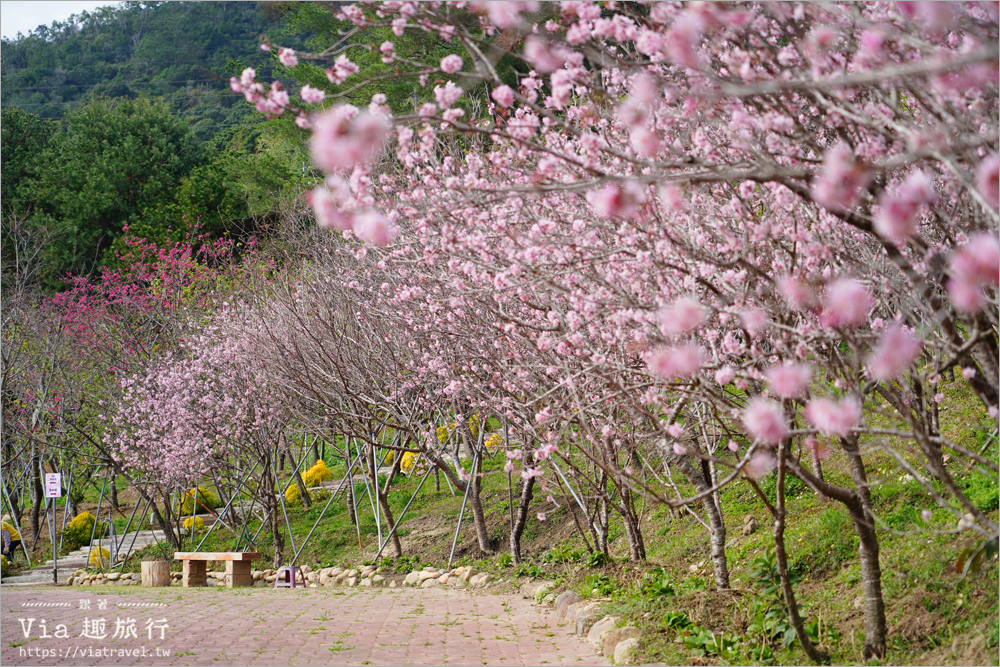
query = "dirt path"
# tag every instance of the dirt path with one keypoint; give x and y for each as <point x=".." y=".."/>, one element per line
<point x="285" y="627"/>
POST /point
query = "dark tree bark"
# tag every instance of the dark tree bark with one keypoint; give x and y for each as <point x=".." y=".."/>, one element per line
<point x="37" y="493"/>
<point x="520" y="518"/>
<point x="788" y="593"/>
<point x="858" y="505"/>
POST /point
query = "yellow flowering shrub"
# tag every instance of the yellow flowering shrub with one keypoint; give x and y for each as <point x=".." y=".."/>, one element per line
<point x="78" y="530"/>
<point x="99" y="557"/>
<point x="493" y="442"/>
<point x="406" y="465"/>
<point x="205" y="499"/>
<point x="199" y="524"/>
<point x="319" y="472"/>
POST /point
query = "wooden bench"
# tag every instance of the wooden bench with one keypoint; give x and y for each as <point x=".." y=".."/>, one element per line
<point x="237" y="566"/>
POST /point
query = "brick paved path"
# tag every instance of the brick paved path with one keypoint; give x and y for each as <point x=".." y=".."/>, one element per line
<point x="266" y="627"/>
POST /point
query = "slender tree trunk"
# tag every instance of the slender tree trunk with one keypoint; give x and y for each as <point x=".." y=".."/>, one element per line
<point x="636" y="546"/>
<point x="868" y="550"/>
<point x="602" y="520"/>
<point x="163" y="521"/>
<point x="700" y="478"/>
<point x="527" y="488"/>
<point x="397" y="464"/>
<point x="303" y="491"/>
<point x="37" y="493"/>
<point x="114" y="490"/>
<point x="271" y="504"/>
<point x="383" y="499"/>
<point x="349" y="481"/>
<point x="478" y="516"/>
<point x="791" y="606"/>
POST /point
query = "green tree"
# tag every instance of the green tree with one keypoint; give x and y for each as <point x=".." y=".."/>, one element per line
<point x="24" y="136"/>
<point x="111" y="164"/>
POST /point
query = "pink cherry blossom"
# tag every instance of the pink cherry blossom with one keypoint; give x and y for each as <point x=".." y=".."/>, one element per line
<point x="725" y="375"/>
<point x="834" y="417"/>
<point x="765" y="421"/>
<point x="311" y="95"/>
<point x="373" y="227"/>
<point x="682" y="316"/>
<point x="761" y="462"/>
<point x="897" y="350"/>
<point x="798" y="295"/>
<point x="287" y="57"/>
<point x="543" y="57"/>
<point x="788" y="380"/>
<point x="677" y="362"/>
<point x="448" y="95"/>
<point x="754" y="320"/>
<point x="841" y="178"/>
<point x="847" y="304"/>
<point x="327" y="209"/>
<point x="344" y="138"/>
<point x="897" y="216"/>
<point x="504" y="95"/>
<point x="974" y="266"/>
<point x="988" y="180"/>
<point x="451" y="64"/>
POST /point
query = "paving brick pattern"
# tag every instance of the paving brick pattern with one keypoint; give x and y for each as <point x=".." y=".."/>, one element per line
<point x="287" y="627"/>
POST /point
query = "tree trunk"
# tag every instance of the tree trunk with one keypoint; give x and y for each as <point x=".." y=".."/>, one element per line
<point x="114" y="491"/>
<point x="37" y="492"/>
<point x="383" y="499"/>
<point x="527" y="488"/>
<point x="303" y="491"/>
<point x="602" y="520"/>
<point x="636" y="546"/>
<point x="271" y="504"/>
<point x="349" y="481"/>
<point x="700" y="479"/>
<point x="868" y="549"/>
<point x="397" y="464"/>
<point x="478" y="516"/>
<point x="791" y="606"/>
<point x="163" y="521"/>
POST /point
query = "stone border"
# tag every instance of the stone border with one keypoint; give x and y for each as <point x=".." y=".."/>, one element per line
<point x="603" y="635"/>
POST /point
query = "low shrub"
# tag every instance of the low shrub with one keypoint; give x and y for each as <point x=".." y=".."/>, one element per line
<point x="199" y="524"/>
<point x="319" y="472"/>
<point x="206" y="499"/>
<point x="99" y="557"/>
<point x="78" y="531"/>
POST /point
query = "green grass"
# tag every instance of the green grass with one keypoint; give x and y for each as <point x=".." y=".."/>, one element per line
<point x="929" y="607"/>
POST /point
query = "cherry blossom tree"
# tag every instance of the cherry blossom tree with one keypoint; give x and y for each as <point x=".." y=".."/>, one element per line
<point x="715" y="238"/>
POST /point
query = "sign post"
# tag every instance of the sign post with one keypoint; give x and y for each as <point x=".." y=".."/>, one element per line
<point x="53" y="490"/>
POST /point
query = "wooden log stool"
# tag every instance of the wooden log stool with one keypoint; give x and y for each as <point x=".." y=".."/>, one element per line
<point x="155" y="572"/>
<point x="237" y="566"/>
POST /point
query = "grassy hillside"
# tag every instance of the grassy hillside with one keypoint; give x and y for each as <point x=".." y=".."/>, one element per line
<point x="935" y="616"/>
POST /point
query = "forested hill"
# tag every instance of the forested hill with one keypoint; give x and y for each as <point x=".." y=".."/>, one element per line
<point x="182" y="52"/>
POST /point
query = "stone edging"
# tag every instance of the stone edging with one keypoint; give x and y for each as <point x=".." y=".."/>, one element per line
<point x="618" y="643"/>
<point x="604" y="637"/>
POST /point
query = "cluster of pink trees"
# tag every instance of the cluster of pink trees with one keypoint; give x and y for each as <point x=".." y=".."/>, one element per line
<point x="718" y="239"/>
<point x="679" y="247"/>
<point x="64" y="355"/>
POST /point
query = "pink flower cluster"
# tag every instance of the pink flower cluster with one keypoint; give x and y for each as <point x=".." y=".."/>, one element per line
<point x="840" y="180"/>
<point x="974" y="267"/>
